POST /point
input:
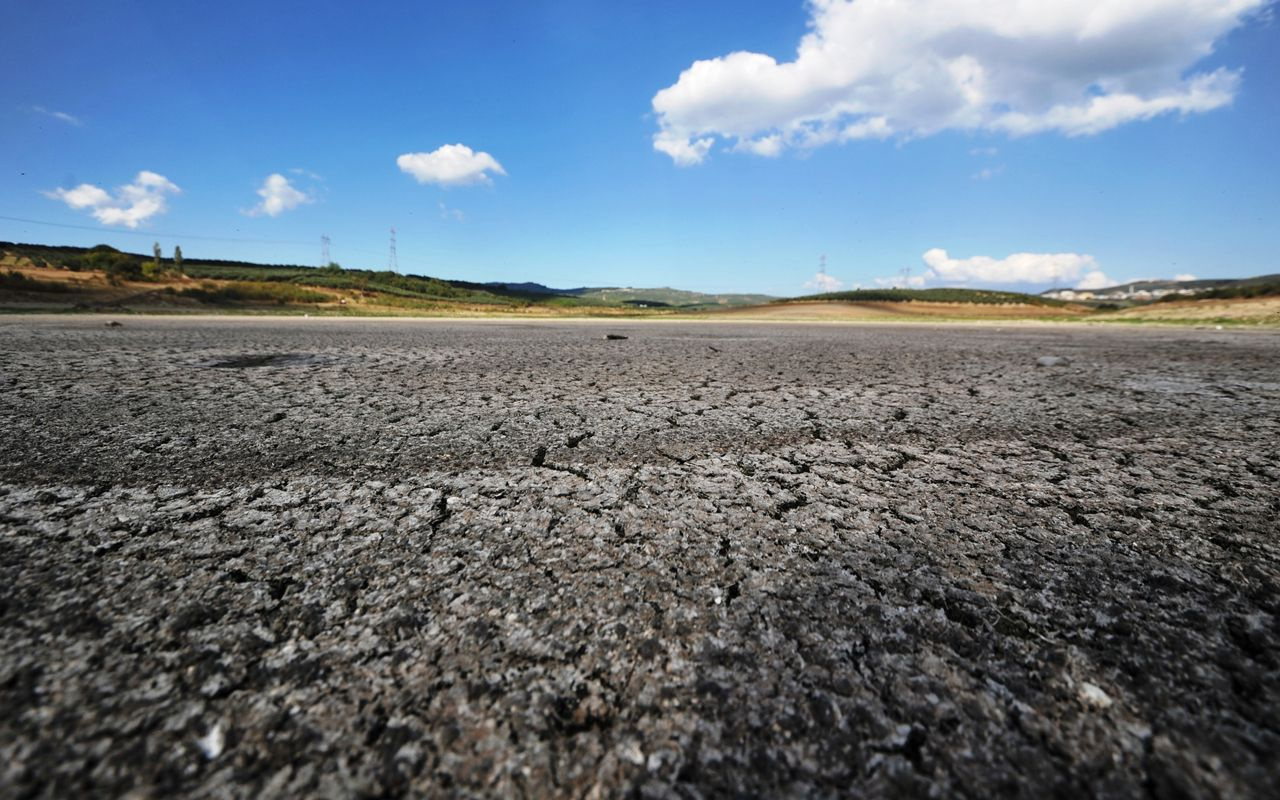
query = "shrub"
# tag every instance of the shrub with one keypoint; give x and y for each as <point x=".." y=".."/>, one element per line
<point x="17" y="281"/>
<point x="255" y="292"/>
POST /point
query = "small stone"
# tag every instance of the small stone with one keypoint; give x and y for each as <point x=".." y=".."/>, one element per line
<point x="1092" y="695"/>
<point x="212" y="742"/>
<point x="614" y="336"/>
<point x="114" y="324"/>
<point x="1052" y="361"/>
<point x="631" y="752"/>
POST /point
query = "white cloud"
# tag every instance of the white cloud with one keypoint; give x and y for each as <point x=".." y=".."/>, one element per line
<point x="910" y="68"/>
<point x="1184" y="276"/>
<point x="823" y="282"/>
<point x="62" y="116"/>
<point x="1095" y="279"/>
<point x="684" y="151"/>
<point x="901" y="281"/>
<point x="133" y="203"/>
<point x="987" y="173"/>
<point x="450" y="165"/>
<point x="278" y="196"/>
<point x="989" y="152"/>
<point x="1054" y="268"/>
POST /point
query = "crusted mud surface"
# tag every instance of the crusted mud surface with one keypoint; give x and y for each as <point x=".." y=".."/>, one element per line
<point x="256" y="558"/>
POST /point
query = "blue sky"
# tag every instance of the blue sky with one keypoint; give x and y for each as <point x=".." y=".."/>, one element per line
<point x="980" y="149"/>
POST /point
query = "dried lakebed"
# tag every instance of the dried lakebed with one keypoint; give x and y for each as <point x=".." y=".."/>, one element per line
<point x="328" y="558"/>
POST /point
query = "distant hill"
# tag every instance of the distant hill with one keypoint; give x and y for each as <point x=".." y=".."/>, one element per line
<point x="524" y="288"/>
<point x="662" y="297"/>
<point x="1209" y="288"/>
<point x="407" y="288"/>
<point x="666" y="297"/>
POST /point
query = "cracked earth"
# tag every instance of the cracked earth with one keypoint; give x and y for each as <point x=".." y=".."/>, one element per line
<point x="317" y="557"/>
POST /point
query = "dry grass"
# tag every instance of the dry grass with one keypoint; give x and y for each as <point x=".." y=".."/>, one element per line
<point x="1247" y="310"/>
<point x="93" y="289"/>
<point x="909" y="311"/>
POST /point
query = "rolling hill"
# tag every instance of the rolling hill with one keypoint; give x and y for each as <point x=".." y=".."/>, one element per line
<point x="269" y="283"/>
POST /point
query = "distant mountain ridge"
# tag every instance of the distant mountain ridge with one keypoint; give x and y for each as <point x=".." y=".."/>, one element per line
<point x="660" y="297"/>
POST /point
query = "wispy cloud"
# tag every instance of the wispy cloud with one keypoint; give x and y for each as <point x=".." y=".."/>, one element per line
<point x="901" y="282"/>
<point x="823" y="282"/>
<point x="454" y="214"/>
<point x="131" y="205"/>
<point x="62" y="116"/>
<point x="987" y="173"/>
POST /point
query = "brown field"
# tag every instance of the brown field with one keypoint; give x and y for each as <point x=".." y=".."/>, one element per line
<point x="895" y="312"/>
<point x="1261" y="310"/>
<point x="84" y="280"/>
<point x="92" y="291"/>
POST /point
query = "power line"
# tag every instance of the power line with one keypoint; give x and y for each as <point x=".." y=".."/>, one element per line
<point x="151" y="234"/>
<point x="163" y="235"/>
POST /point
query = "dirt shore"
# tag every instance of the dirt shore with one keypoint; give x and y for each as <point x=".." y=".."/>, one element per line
<point x="256" y="558"/>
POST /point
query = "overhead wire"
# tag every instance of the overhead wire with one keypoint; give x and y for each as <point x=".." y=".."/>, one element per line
<point x="189" y="236"/>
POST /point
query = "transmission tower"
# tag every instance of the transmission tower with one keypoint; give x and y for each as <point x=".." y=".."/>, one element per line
<point x="393" y="263"/>
<point x="324" y="250"/>
<point x="822" y="264"/>
<point x="906" y="277"/>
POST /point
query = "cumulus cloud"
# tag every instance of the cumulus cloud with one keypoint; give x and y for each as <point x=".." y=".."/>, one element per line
<point x="1185" y="276"/>
<point x="874" y="69"/>
<point x="1055" y="268"/>
<point x="450" y="165"/>
<point x="1058" y="269"/>
<point x="131" y="205"/>
<point x="823" y="282"/>
<point x="278" y="196"/>
<point x="1095" y="279"/>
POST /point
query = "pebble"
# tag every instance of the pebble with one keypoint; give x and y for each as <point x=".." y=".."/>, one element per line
<point x="1052" y="361"/>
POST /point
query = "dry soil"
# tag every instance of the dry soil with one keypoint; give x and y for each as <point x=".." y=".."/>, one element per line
<point x="320" y="557"/>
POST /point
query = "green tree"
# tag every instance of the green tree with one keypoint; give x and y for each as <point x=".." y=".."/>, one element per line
<point x="177" y="259"/>
<point x="153" y="269"/>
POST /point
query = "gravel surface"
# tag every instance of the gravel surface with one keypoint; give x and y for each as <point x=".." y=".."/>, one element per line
<point x="317" y="557"/>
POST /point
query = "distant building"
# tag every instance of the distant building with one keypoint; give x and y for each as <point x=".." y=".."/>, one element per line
<point x="1126" y="292"/>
